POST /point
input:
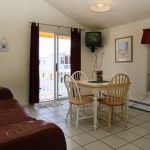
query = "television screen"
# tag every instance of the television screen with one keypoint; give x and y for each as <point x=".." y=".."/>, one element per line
<point x="93" y="39"/>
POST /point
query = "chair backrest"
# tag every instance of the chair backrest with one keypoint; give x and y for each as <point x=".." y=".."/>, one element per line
<point x="72" y="88"/>
<point x="118" y="87"/>
<point x="79" y="75"/>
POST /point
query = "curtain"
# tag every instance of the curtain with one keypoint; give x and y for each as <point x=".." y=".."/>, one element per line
<point x="34" y="65"/>
<point x="75" y="50"/>
<point x="146" y="36"/>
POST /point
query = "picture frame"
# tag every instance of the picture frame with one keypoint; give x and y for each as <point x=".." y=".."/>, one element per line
<point x="123" y="49"/>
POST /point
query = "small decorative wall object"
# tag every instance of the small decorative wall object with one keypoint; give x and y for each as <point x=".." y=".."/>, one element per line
<point x="123" y="49"/>
<point x="4" y="47"/>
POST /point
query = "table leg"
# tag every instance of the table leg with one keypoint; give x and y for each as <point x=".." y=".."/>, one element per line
<point x="95" y="112"/>
<point x="127" y="99"/>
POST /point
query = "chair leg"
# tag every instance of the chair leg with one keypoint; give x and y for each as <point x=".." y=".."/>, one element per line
<point x="84" y="107"/>
<point x="124" y="115"/>
<point x="126" y="111"/>
<point x="117" y="117"/>
<point x="112" y="114"/>
<point x="77" y="117"/>
<point x="69" y="111"/>
<point x="110" y="117"/>
<point x="99" y="109"/>
<point x="126" y="108"/>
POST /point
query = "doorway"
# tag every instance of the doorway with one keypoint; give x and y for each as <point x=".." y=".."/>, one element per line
<point x="54" y="62"/>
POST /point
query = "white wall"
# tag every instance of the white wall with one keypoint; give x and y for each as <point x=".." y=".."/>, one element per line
<point x="14" y="65"/>
<point x="14" y="26"/>
<point x="87" y="58"/>
<point x="137" y="70"/>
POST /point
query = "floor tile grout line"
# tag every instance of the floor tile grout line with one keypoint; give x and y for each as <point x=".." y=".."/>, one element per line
<point x="115" y="135"/>
<point x="97" y="139"/>
<point x="92" y="141"/>
<point x="100" y="139"/>
<point x="133" y="140"/>
<point x="75" y="142"/>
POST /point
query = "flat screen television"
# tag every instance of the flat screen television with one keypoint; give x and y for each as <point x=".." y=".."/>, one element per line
<point x="93" y="40"/>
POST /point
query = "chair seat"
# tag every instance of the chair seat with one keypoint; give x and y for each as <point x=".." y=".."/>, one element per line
<point x="111" y="103"/>
<point x="77" y="98"/>
<point x="115" y="95"/>
<point x="85" y="100"/>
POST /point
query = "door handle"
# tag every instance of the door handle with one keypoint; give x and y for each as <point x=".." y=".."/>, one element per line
<point x="56" y="67"/>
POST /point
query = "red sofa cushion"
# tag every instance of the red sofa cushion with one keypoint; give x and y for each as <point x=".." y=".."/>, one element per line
<point x="35" y="135"/>
<point x="13" y="115"/>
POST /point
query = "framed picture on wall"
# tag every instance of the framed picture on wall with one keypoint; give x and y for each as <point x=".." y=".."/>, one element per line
<point x="123" y="49"/>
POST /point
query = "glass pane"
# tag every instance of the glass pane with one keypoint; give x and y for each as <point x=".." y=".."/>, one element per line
<point x="63" y="63"/>
<point x="52" y="86"/>
<point x="46" y="66"/>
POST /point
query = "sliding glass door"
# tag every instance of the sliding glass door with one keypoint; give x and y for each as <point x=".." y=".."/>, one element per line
<point x="54" y="63"/>
<point x="63" y="64"/>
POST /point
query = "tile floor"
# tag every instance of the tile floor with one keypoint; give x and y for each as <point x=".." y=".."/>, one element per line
<point x="135" y="137"/>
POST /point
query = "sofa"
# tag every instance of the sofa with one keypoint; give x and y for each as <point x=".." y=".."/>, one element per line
<point x="19" y="131"/>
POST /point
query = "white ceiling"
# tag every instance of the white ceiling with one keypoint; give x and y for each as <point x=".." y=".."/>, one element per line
<point x="122" y="12"/>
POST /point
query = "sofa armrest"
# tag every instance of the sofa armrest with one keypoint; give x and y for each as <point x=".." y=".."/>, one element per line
<point x="5" y="93"/>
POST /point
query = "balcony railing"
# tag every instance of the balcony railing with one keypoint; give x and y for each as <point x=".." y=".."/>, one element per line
<point x="46" y="91"/>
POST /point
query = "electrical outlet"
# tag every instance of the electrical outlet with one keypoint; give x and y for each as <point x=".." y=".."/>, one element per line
<point x="146" y="94"/>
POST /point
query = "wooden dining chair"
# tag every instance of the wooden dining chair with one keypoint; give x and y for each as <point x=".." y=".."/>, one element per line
<point x="80" y="75"/>
<point x="116" y="95"/>
<point x="75" y="99"/>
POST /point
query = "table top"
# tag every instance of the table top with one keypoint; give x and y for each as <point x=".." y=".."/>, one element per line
<point x="87" y="83"/>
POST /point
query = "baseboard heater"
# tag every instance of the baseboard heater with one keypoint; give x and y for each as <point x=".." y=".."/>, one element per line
<point x="139" y="105"/>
